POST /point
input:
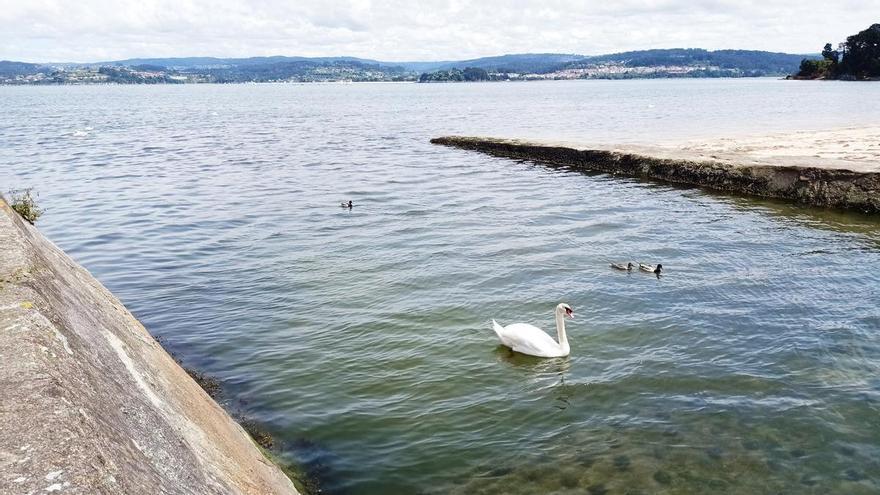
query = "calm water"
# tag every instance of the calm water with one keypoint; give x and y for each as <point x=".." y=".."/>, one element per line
<point x="362" y="338"/>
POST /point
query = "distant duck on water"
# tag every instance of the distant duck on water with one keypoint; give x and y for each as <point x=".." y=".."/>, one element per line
<point x="651" y="268"/>
<point x="620" y="266"/>
<point x="348" y="205"/>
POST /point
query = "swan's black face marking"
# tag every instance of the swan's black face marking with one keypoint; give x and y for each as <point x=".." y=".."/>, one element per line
<point x="568" y="312"/>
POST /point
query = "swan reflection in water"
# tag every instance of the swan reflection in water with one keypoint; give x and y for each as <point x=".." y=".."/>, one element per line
<point x="541" y="366"/>
<point x="548" y="374"/>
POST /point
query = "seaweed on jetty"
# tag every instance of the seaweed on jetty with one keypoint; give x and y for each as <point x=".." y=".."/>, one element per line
<point x="208" y="383"/>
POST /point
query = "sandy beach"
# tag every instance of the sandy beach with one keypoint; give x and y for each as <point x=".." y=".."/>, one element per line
<point x="856" y="148"/>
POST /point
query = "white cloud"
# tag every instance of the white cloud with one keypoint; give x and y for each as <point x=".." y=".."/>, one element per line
<point x="93" y="30"/>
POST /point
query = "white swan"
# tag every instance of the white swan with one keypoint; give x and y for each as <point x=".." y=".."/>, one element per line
<point x="531" y="340"/>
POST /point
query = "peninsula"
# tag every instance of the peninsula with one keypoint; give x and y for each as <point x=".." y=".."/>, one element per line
<point x="856" y="59"/>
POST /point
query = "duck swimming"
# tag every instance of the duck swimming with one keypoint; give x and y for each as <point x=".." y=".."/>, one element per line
<point x="620" y="266"/>
<point x="348" y="205"/>
<point x="651" y="268"/>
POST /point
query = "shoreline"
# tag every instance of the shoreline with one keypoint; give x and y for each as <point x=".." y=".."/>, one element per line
<point x="780" y="77"/>
<point x="304" y="480"/>
<point x="832" y="169"/>
<point x="90" y="397"/>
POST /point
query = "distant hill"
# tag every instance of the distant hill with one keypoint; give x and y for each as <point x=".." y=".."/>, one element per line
<point x="305" y="70"/>
<point x="746" y="60"/>
<point x="205" y="70"/>
<point x="213" y="62"/>
<point x="11" y="69"/>
<point x="679" y="62"/>
<point x="675" y="62"/>
<point x="534" y="63"/>
<point x="172" y="63"/>
<point x="419" y="67"/>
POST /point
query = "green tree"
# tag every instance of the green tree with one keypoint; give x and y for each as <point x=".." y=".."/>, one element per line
<point x="862" y="54"/>
<point x="475" y="74"/>
<point x="828" y="53"/>
<point x="816" y="69"/>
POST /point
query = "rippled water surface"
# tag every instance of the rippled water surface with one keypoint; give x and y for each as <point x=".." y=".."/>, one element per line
<point x="362" y="338"/>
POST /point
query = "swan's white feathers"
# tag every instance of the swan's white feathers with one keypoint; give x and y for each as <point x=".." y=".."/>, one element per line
<point x="529" y="339"/>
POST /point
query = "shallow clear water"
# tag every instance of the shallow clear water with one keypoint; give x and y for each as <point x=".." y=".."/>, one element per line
<point x="362" y="338"/>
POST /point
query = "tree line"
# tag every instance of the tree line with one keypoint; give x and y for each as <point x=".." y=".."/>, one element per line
<point x="469" y="74"/>
<point x="858" y="58"/>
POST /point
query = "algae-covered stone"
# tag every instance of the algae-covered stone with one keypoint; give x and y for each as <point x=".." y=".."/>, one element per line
<point x="662" y="477"/>
<point x="597" y="489"/>
<point x="715" y="453"/>
<point x="854" y="475"/>
<point x="622" y="462"/>
<point x="569" y="480"/>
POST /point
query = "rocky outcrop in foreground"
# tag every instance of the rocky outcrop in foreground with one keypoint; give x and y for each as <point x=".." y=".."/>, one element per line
<point x="816" y="186"/>
<point x="91" y="403"/>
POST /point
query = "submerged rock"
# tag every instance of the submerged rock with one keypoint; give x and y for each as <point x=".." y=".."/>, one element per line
<point x="622" y="462"/>
<point x="662" y="477"/>
<point x="853" y="475"/>
<point x="569" y="480"/>
<point x="809" y="480"/>
<point x="500" y="471"/>
<point x="751" y="444"/>
<point x="847" y="451"/>
<point x="597" y="489"/>
<point x="715" y="453"/>
<point x="717" y="484"/>
<point x="586" y="460"/>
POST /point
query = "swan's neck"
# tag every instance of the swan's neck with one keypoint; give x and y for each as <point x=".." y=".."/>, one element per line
<point x="560" y="331"/>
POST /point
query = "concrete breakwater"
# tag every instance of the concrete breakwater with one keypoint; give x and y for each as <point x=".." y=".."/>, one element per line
<point x="91" y="403"/>
<point x="825" y="184"/>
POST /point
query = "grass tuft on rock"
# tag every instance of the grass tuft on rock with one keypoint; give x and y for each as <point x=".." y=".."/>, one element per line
<point x="23" y="203"/>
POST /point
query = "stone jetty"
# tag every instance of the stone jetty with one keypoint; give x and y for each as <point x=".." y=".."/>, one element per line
<point x="834" y="169"/>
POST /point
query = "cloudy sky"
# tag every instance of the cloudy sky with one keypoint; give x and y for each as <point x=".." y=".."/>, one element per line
<point x="399" y="30"/>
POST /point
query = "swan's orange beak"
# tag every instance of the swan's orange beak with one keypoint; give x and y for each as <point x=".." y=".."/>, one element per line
<point x="569" y="313"/>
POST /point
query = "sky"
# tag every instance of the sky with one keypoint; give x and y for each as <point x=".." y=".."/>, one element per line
<point x="427" y="30"/>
